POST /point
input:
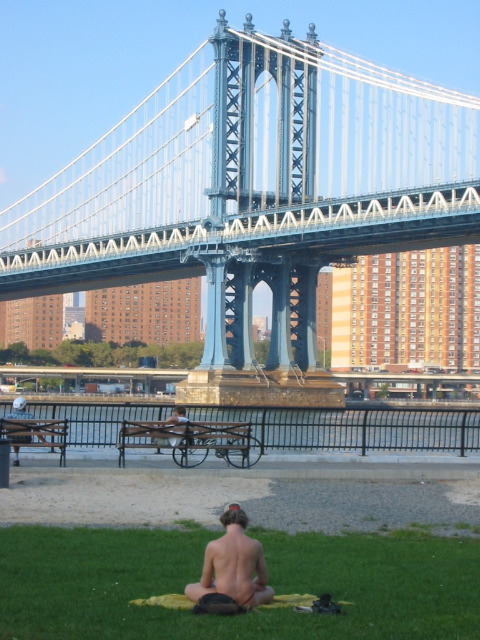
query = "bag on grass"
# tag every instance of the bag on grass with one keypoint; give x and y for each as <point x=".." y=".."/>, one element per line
<point x="219" y="604"/>
<point x="324" y="605"/>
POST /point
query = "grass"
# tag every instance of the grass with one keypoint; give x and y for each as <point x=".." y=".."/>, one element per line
<point x="77" y="583"/>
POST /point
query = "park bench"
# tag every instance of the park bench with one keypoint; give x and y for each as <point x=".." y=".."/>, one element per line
<point x="44" y="433"/>
<point x="231" y="441"/>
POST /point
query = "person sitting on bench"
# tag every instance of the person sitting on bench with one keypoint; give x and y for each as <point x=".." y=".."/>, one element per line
<point x="178" y="418"/>
<point x="234" y="565"/>
<point x="19" y="413"/>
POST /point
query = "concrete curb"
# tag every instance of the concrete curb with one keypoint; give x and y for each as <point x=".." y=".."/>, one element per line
<point x="288" y="466"/>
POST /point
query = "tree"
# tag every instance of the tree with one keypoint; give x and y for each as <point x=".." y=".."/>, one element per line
<point x="19" y="352"/>
<point x="101" y="354"/>
<point x="261" y="351"/>
<point x="68" y="352"/>
<point x="125" y="356"/>
<point x="43" y="357"/>
<point x="185" y="355"/>
<point x="51" y="384"/>
<point x="135" y="343"/>
<point x="383" y="391"/>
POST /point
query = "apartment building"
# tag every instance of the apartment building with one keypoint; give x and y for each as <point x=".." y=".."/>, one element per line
<point x="324" y="310"/>
<point x="38" y="322"/>
<point x="3" y="312"/>
<point x="160" y="313"/>
<point x="417" y="308"/>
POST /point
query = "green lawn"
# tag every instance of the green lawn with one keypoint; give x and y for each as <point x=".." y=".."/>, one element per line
<point x="76" y="583"/>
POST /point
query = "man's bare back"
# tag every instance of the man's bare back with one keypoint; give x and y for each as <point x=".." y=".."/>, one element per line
<point x="234" y="565"/>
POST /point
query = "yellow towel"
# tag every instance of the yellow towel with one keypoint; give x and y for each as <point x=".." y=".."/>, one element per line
<point x="177" y="601"/>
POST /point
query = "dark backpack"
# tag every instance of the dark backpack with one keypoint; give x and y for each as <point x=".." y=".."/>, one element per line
<point x="219" y="604"/>
<point x="325" y="606"/>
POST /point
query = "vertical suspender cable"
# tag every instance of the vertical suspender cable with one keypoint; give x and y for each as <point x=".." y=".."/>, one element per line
<point x="240" y="112"/>
<point x="306" y="80"/>
<point x="331" y="135"/>
<point x="267" y="124"/>
<point x="389" y="142"/>
<point x="375" y="146"/>
<point x="370" y="149"/>
<point x="291" y="80"/>
<point x="443" y="133"/>
<point x="419" y="142"/>
<point x="345" y="160"/>
<point x="318" y="189"/>
<point x="359" y="127"/>
<point x="405" y="143"/>
<point x="472" y="143"/>
<point x="384" y="122"/>
<point x="454" y="169"/>
<point x="279" y="127"/>
<point x="251" y="145"/>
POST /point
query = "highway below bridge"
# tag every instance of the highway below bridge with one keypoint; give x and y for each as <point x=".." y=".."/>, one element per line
<point x="146" y="381"/>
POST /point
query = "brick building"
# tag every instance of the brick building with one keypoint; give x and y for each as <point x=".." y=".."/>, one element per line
<point x="160" y="313"/>
<point x="3" y="311"/>
<point x="417" y="308"/>
<point x="324" y="310"/>
<point x="38" y="322"/>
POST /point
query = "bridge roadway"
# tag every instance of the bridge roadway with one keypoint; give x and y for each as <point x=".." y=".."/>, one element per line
<point x="363" y="379"/>
<point x="336" y="230"/>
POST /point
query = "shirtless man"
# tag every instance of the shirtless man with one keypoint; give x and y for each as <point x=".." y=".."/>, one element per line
<point x="178" y="417"/>
<point x="234" y="565"/>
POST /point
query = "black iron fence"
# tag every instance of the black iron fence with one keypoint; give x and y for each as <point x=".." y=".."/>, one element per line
<point x="361" y="429"/>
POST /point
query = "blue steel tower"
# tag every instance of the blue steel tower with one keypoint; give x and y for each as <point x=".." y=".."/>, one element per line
<point x="233" y="272"/>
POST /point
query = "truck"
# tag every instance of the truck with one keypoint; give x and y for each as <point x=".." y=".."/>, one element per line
<point x="106" y="387"/>
<point x="147" y="362"/>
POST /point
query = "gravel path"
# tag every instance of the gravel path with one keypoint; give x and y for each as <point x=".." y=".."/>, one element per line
<point x="142" y="498"/>
<point x="335" y="507"/>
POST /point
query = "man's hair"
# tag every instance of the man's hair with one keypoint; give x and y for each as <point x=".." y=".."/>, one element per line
<point x="181" y="411"/>
<point x="234" y="516"/>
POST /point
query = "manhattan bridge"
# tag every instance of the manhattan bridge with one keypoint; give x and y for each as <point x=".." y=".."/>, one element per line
<point x="259" y="158"/>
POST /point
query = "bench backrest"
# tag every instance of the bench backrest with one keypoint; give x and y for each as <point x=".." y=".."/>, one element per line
<point x="138" y="429"/>
<point x="146" y="429"/>
<point x="55" y="429"/>
<point x="15" y="426"/>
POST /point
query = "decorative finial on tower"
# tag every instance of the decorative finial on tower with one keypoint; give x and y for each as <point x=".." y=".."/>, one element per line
<point x="286" y="32"/>
<point x="248" y="26"/>
<point x="222" y="24"/>
<point x="311" y="35"/>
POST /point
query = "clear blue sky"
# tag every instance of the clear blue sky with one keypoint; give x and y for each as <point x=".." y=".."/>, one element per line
<point x="70" y="69"/>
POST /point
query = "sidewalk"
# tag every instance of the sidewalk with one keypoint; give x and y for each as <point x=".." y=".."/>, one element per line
<point x="335" y="466"/>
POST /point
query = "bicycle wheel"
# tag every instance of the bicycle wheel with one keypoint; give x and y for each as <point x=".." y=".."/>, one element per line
<point x="244" y="458"/>
<point x="190" y="452"/>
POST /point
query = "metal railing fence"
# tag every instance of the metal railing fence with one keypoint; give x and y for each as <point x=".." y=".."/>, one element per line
<point x="351" y="429"/>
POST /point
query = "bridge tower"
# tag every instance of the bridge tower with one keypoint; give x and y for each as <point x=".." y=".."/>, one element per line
<point x="228" y="372"/>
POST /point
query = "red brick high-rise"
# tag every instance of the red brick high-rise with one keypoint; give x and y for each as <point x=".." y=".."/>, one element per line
<point x="38" y="322"/>
<point x="3" y="312"/>
<point x="155" y="313"/>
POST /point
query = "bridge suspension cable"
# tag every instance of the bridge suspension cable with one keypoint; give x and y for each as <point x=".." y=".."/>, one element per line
<point x="129" y="178"/>
<point x="376" y="129"/>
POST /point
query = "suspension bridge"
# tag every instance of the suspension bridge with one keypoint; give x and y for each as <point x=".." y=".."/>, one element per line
<point x="265" y="161"/>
